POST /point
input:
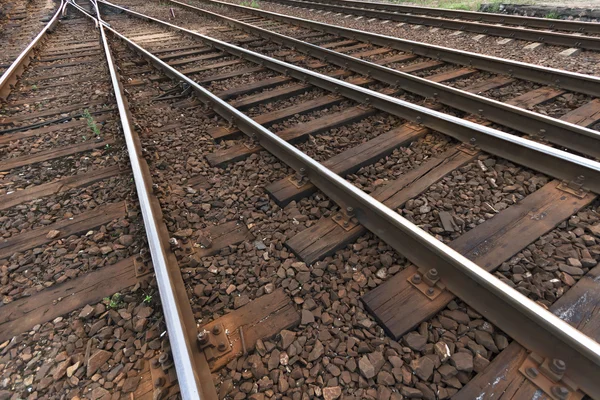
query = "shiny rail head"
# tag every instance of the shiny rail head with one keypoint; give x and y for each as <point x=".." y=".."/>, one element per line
<point x="368" y="210"/>
<point x="574" y="81"/>
<point x="538" y="156"/>
<point x="181" y="345"/>
<point x="577" y="26"/>
<point x="563" y="134"/>
<point x="553" y="38"/>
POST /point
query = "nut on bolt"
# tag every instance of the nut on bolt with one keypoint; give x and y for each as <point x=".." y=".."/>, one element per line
<point x="558" y="366"/>
<point x="164" y="357"/>
<point x="560" y="391"/>
<point x="202" y="337"/>
<point x="300" y="174"/>
<point x="432" y="274"/>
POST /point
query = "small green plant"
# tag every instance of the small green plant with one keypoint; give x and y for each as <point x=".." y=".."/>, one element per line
<point x="494" y="8"/>
<point x="34" y="87"/>
<point x="253" y="4"/>
<point x="115" y="301"/>
<point x="91" y="123"/>
<point x="552" y="15"/>
<point x="147" y="299"/>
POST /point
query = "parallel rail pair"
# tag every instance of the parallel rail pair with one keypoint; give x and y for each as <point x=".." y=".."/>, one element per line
<point x="374" y="10"/>
<point x="518" y="316"/>
<point x="177" y="314"/>
<point x="525" y="321"/>
<point x="493" y="18"/>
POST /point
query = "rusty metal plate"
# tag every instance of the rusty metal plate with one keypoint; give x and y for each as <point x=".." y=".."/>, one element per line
<point x="346" y="223"/>
<point x="546" y="384"/>
<point x="430" y="291"/>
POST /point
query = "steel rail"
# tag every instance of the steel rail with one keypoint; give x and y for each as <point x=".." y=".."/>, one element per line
<point x="553" y="162"/>
<point x="549" y="76"/>
<point x="181" y="338"/>
<point x="494" y="18"/>
<point x="531" y="35"/>
<point x="528" y="323"/>
<point x="10" y="76"/>
<point x="583" y="140"/>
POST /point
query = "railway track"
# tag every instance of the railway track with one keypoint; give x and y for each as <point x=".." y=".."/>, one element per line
<point x="249" y="300"/>
<point x="447" y="19"/>
<point x="217" y="63"/>
<point x="20" y="21"/>
<point x="431" y="78"/>
<point x="487" y="17"/>
<point x="81" y="232"/>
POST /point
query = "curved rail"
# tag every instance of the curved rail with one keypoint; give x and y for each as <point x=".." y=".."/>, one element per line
<point x="531" y="35"/>
<point x="524" y="320"/>
<point x="493" y="18"/>
<point x="13" y="72"/>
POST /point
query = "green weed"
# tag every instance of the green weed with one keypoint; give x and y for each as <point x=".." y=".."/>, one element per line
<point x="552" y="15"/>
<point x="253" y="4"/>
<point x="91" y="123"/>
<point x="115" y="301"/>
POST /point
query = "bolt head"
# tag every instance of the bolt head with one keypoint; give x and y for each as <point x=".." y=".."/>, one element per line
<point x="216" y="329"/>
<point x="430" y="291"/>
<point x="416" y="278"/>
<point x="222" y="346"/>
